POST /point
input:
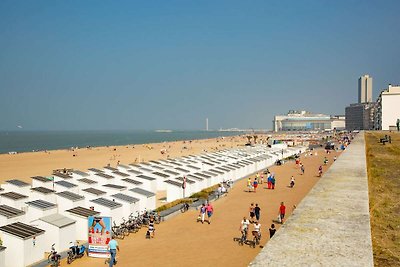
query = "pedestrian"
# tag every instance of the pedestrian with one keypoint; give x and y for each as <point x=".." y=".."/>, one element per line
<point x="292" y="182"/>
<point x="269" y="181"/>
<point x="272" y="231"/>
<point x="249" y="184"/>
<point x="251" y="211"/>
<point x="255" y="185"/>
<point x="302" y="169"/>
<point x="113" y="247"/>
<point x="257" y="212"/>
<point x="262" y="178"/>
<point x="203" y="210"/>
<point x="282" y="211"/>
<point x="151" y="228"/>
<point x="273" y="182"/>
<point x="210" y="211"/>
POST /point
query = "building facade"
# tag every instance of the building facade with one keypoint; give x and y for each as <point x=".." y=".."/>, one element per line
<point x="365" y="89"/>
<point x="360" y="116"/>
<point x="387" y="109"/>
<point x="306" y="121"/>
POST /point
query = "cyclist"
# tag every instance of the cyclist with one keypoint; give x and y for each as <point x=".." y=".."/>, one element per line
<point x="244" y="227"/>
<point x="257" y="230"/>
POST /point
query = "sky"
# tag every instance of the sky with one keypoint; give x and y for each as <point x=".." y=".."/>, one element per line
<point x="95" y="65"/>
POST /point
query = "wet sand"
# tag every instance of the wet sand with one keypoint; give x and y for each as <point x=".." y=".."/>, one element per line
<point x="181" y="241"/>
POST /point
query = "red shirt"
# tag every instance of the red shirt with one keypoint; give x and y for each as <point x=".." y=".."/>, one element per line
<point x="282" y="209"/>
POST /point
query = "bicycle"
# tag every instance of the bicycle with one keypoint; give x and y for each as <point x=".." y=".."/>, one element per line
<point x="243" y="239"/>
<point x="256" y="238"/>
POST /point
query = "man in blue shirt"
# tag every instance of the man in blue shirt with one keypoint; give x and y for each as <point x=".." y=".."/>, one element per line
<point x="113" y="246"/>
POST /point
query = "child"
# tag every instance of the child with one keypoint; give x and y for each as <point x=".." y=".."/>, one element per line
<point x="292" y="182"/>
<point x="255" y="184"/>
<point x="272" y="231"/>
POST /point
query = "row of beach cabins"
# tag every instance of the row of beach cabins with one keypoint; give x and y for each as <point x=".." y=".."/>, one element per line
<point x="56" y="209"/>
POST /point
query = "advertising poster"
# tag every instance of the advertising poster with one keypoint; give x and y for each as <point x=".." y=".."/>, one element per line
<point x="99" y="236"/>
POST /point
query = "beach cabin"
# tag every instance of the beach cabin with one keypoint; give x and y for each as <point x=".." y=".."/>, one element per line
<point x="17" y="186"/>
<point x="128" y="182"/>
<point x="129" y="204"/>
<point x="10" y="215"/>
<point x="109" y="170"/>
<point x="42" y="193"/>
<point x="85" y="183"/>
<point x="123" y="168"/>
<point x="13" y="199"/>
<point x="104" y="178"/>
<point x="58" y="176"/>
<point x="206" y="177"/>
<point x="109" y="208"/>
<point x="147" y="198"/>
<point x="161" y="177"/>
<point x="149" y="183"/>
<point x="40" y="181"/>
<point x="92" y="193"/>
<point x="134" y="172"/>
<point x="201" y="183"/>
<point x="25" y="244"/>
<point x="113" y="188"/>
<point x="2" y="256"/>
<point x="174" y="190"/>
<point x="64" y="185"/>
<point x="60" y="230"/>
<point x="67" y="200"/>
<point x="81" y="215"/>
<point x="93" y="171"/>
<point x="39" y="208"/>
<point x="77" y="175"/>
<point x="190" y="187"/>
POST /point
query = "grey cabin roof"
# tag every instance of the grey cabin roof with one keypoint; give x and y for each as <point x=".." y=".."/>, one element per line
<point x="203" y="175"/>
<point x="13" y="195"/>
<point x="66" y="184"/>
<point x="210" y="174"/>
<point x="131" y="181"/>
<point x="106" y="203"/>
<point x="18" y="183"/>
<point x="172" y="182"/>
<point x="193" y="167"/>
<point x="110" y="168"/>
<point x="125" y="198"/>
<point x="145" y="169"/>
<point x="70" y="195"/>
<point x="10" y="212"/>
<point x="42" y="190"/>
<point x="58" y="220"/>
<point x="100" y="174"/>
<point x="171" y="172"/>
<point x="124" y="166"/>
<point x="142" y="192"/>
<point x="41" y="204"/>
<point x="94" y="191"/>
<point x="81" y="173"/>
<point x="216" y="171"/>
<point x="182" y="170"/>
<point x="21" y="230"/>
<point x="62" y="175"/>
<point x="135" y="172"/>
<point x="163" y="175"/>
<point x="154" y="161"/>
<point x="114" y="186"/>
<point x="87" y="181"/>
<point x="84" y="212"/>
<point x="95" y="170"/>
<point x="193" y="176"/>
<point x="121" y="174"/>
<point x="42" y="179"/>
<point x="187" y="180"/>
<point x="146" y="177"/>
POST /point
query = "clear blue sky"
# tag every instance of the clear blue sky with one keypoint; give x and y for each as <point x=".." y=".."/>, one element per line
<point x="170" y="64"/>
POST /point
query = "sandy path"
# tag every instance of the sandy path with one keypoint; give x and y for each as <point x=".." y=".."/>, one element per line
<point x="181" y="241"/>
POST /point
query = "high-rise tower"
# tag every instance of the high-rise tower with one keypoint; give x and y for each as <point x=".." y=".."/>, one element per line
<point x="365" y="89"/>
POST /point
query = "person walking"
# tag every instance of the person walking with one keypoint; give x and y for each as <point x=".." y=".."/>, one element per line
<point x="292" y="182"/>
<point x="272" y="231"/>
<point x="113" y="247"/>
<point x="302" y="169"/>
<point x="282" y="211"/>
<point x="255" y="185"/>
<point x="249" y="184"/>
<point x="251" y="211"/>
<point x="210" y="211"/>
<point x="269" y="181"/>
<point x="273" y="182"/>
<point x="257" y="212"/>
<point x="203" y="210"/>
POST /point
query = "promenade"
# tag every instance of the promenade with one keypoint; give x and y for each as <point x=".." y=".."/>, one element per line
<point x="180" y="241"/>
<point x="331" y="226"/>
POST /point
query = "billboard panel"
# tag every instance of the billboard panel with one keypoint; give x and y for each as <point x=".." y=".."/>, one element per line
<point x="99" y="236"/>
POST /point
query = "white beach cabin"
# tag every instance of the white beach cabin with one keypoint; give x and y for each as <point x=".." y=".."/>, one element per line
<point x="129" y="204"/>
<point x="67" y="200"/>
<point x="17" y="186"/>
<point x="10" y="215"/>
<point x="62" y="185"/>
<point x="2" y="256"/>
<point x="147" y="198"/>
<point x="60" y="230"/>
<point x="92" y="193"/>
<point x="42" y="193"/>
<point x="81" y="215"/>
<point x="39" y="208"/>
<point x="109" y="208"/>
<point x="41" y="181"/>
<point x="25" y="244"/>
<point x="13" y="199"/>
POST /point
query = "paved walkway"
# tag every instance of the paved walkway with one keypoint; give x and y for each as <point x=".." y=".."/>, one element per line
<point x="331" y="225"/>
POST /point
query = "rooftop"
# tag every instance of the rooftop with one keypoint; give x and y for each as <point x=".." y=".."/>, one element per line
<point x="18" y="183"/>
<point x="10" y="212"/>
<point x="84" y="212"/>
<point x="81" y="173"/>
<point x="66" y="184"/>
<point x="107" y="203"/>
<point x="125" y="198"/>
<point x="94" y="191"/>
<point x="41" y="204"/>
<point x="42" y="190"/>
<point x="21" y="230"/>
<point x="13" y="195"/>
<point x="142" y="192"/>
<point x="70" y="195"/>
<point x="58" y="220"/>
<point x="42" y="179"/>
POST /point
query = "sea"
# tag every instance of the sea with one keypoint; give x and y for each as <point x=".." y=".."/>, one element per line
<point x="27" y="141"/>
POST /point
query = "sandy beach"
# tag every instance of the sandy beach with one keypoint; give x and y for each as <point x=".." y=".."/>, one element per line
<point x="182" y="241"/>
<point x="23" y="166"/>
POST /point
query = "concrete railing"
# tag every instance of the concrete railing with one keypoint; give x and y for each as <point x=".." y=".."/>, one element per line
<point x="331" y="226"/>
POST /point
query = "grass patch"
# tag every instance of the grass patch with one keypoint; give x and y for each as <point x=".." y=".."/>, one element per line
<point x="203" y="194"/>
<point x="384" y="191"/>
